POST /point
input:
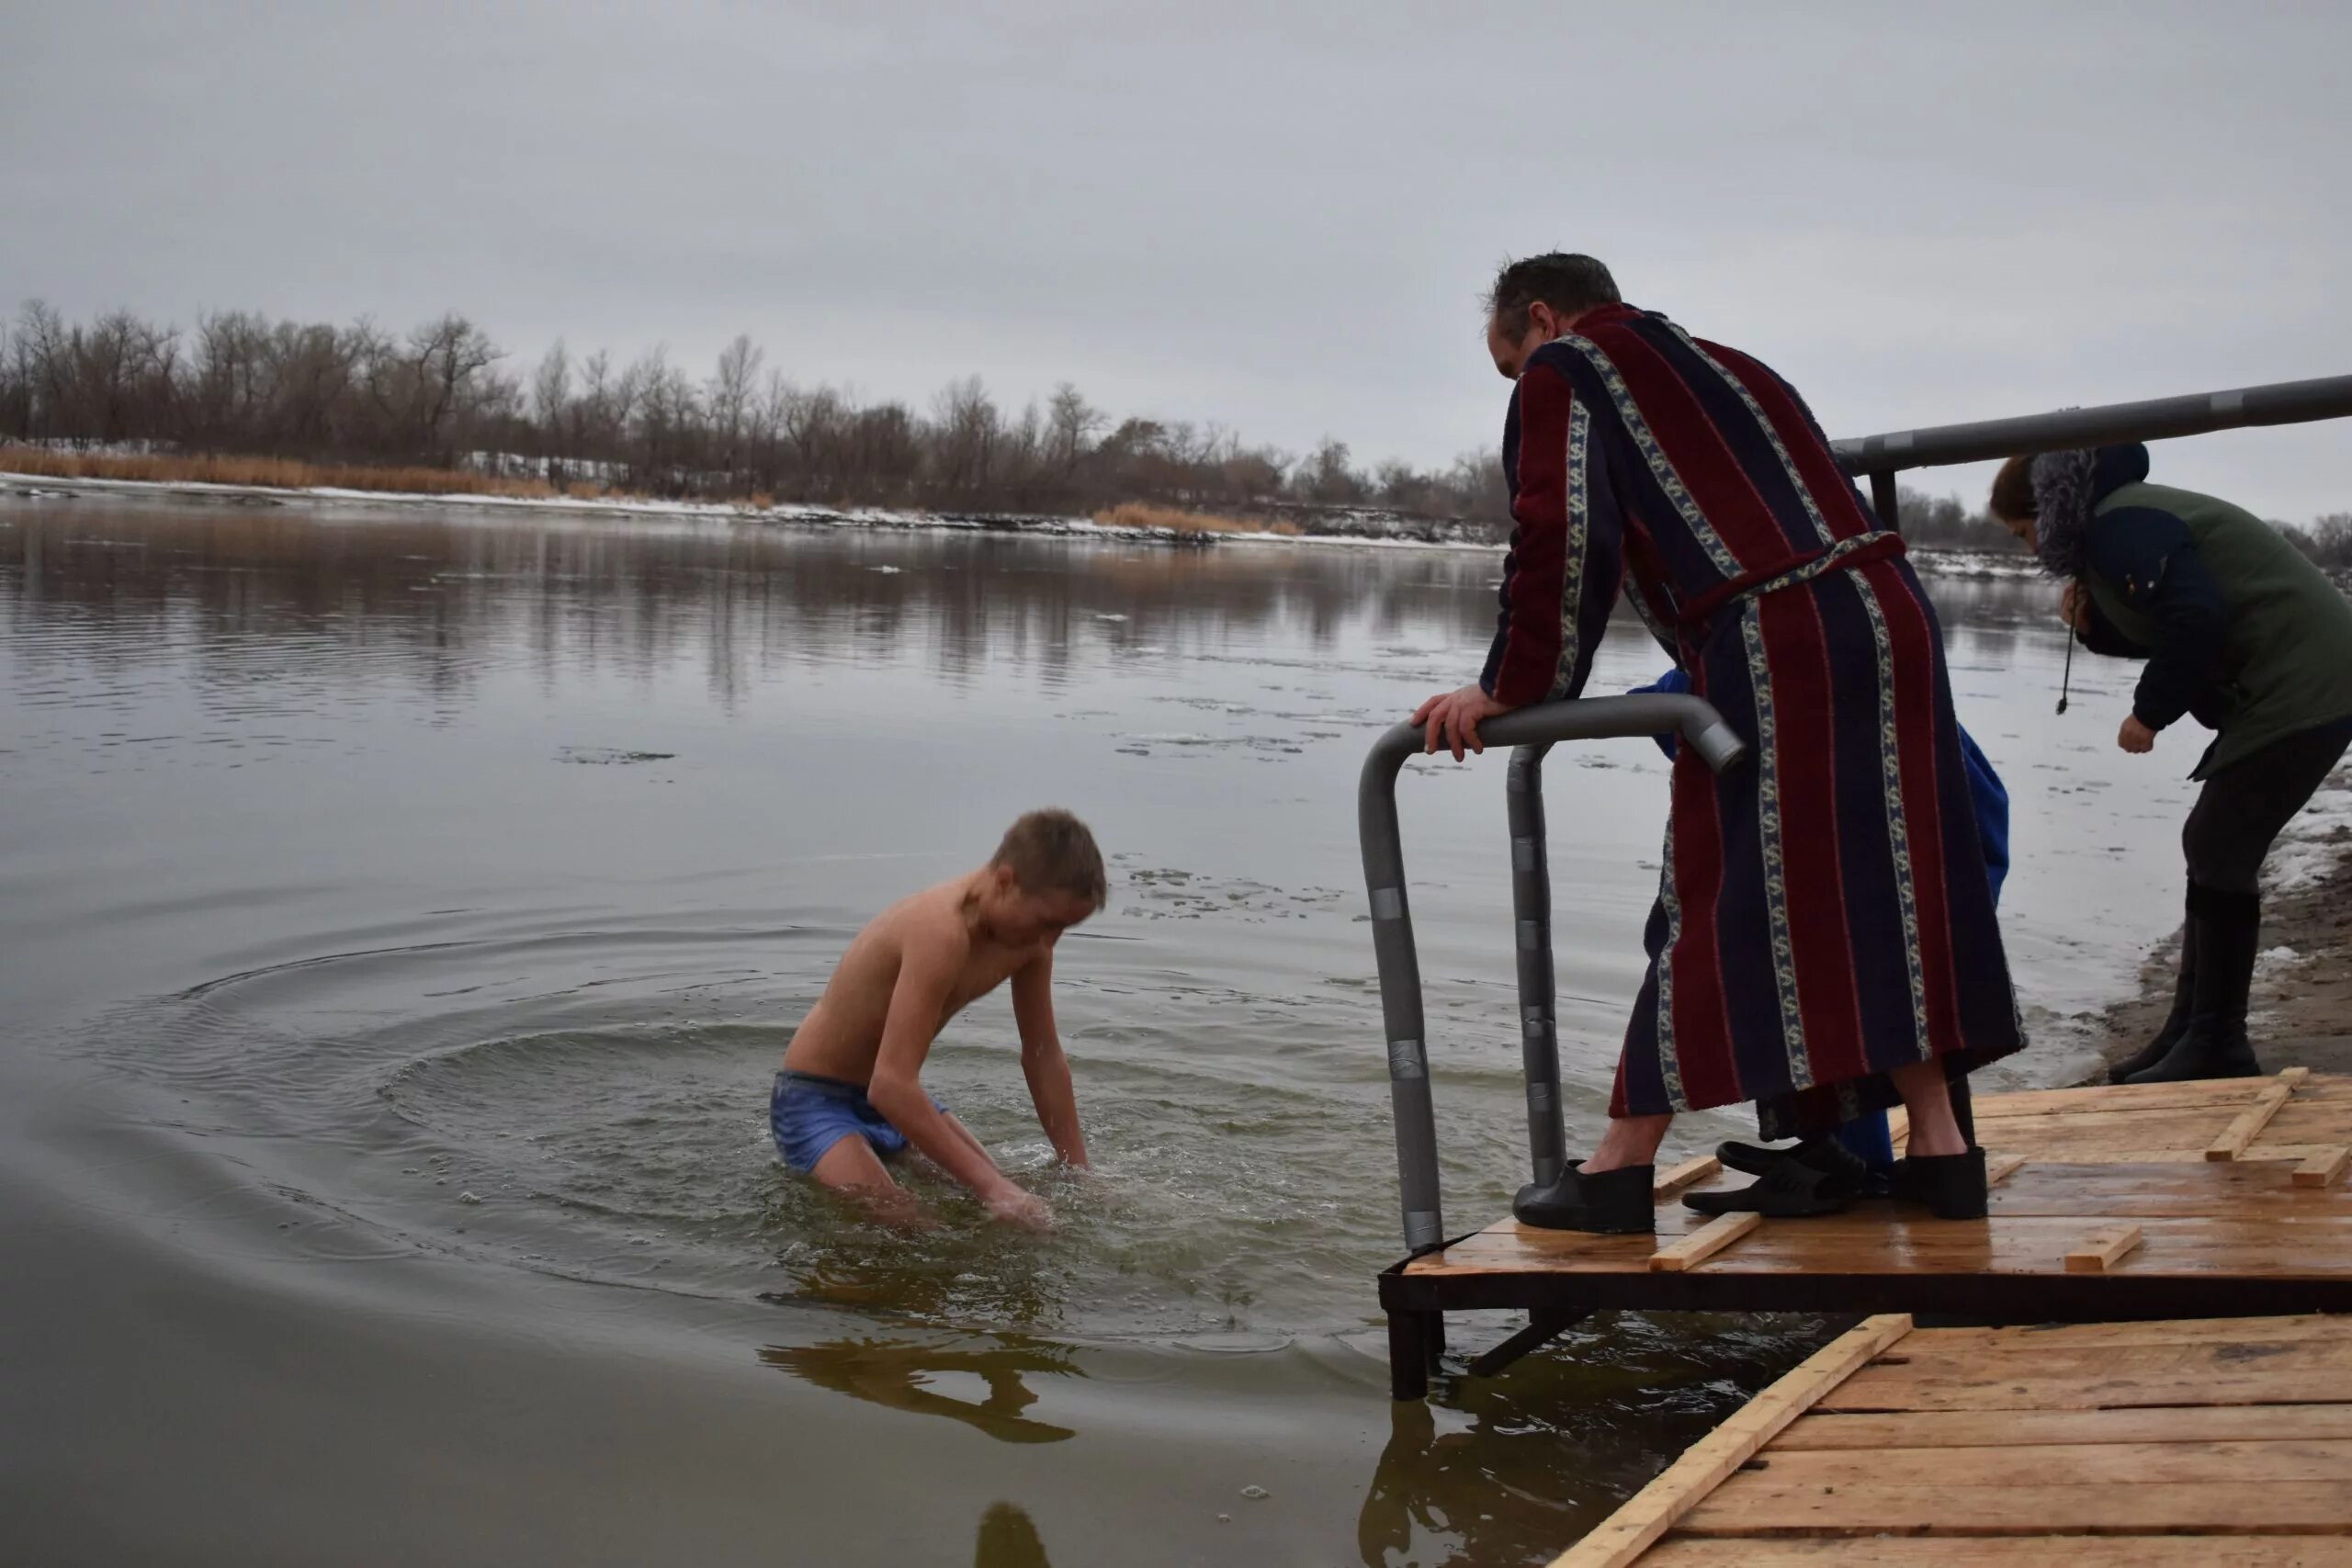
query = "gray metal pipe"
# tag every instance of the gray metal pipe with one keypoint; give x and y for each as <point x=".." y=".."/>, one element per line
<point x="2278" y="403"/>
<point x="1530" y="898"/>
<point x="1402" y="1016"/>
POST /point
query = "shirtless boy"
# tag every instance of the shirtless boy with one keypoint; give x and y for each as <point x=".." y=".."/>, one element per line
<point x="851" y="1090"/>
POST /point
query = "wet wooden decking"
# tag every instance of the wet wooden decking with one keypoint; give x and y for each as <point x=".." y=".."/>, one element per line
<point x="2226" y="1442"/>
<point x="2172" y="1200"/>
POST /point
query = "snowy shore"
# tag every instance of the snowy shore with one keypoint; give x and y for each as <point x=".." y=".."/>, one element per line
<point x="1365" y="528"/>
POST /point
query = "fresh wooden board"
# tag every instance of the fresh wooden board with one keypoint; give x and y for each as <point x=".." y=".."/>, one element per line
<point x="2243" y="1462"/>
<point x="2248" y="1123"/>
<point x="1652" y="1511"/>
<point x="2288" y="1247"/>
<point x="2074" y="1338"/>
<point x="2005" y="1429"/>
<point x="2279" y="1382"/>
<point x="1690" y="1173"/>
<point x="1703" y="1243"/>
<point x="2324" y="1169"/>
<point x="2033" y="1551"/>
<point x="1749" y="1506"/>
<point x="2216" y="1442"/>
<point x="2103" y="1249"/>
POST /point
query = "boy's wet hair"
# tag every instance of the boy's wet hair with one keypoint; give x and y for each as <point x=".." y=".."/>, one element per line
<point x="1052" y="852"/>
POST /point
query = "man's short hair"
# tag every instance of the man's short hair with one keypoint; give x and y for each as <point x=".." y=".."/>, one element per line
<point x="1051" y="852"/>
<point x="1569" y="283"/>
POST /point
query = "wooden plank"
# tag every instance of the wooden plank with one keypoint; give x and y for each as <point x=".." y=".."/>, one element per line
<point x="2240" y="1134"/>
<point x="2030" y="1551"/>
<point x="2217" y="1357"/>
<point x="2075" y="1138"/>
<point x="2198" y="1092"/>
<point x="2000" y="1429"/>
<point x="2259" y="1383"/>
<point x="2251" y="1464"/>
<point x="2084" y="1337"/>
<point x="2309" y="1120"/>
<point x="2294" y="1078"/>
<point x="2324" y="1169"/>
<point x="1880" y="1239"/>
<point x="2240" y="1190"/>
<point x="2284" y="1248"/>
<point x="1753" y="1504"/>
<point x="1652" y="1511"/>
<point x="2000" y="1167"/>
<point x="1704" y="1242"/>
<point x="2102" y="1251"/>
<point x="1690" y="1173"/>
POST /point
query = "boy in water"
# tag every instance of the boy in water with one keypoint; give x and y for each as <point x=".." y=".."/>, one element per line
<point x="851" y="1090"/>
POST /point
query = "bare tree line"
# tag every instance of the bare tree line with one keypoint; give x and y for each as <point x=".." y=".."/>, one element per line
<point x="443" y="395"/>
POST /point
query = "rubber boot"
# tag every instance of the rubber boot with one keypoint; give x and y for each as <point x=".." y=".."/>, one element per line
<point x="2183" y="996"/>
<point x="1615" y="1203"/>
<point x="1953" y="1186"/>
<point x="2228" y="930"/>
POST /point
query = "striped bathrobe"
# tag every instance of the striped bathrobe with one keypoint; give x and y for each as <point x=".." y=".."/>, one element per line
<point x="1822" y="915"/>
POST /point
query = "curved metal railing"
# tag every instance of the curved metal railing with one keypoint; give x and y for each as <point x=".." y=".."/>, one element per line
<point x="1532" y="731"/>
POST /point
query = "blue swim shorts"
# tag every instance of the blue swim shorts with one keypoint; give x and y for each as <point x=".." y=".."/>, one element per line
<point x="809" y="1114"/>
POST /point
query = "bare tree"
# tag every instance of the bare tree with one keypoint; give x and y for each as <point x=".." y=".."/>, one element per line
<point x="441" y="395"/>
<point x="728" y="400"/>
<point x="551" y="392"/>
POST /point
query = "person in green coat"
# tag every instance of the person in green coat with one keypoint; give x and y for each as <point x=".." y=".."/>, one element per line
<point x="2241" y="633"/>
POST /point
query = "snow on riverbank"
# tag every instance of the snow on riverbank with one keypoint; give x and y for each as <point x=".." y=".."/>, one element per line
<point x="1368" y="529"/>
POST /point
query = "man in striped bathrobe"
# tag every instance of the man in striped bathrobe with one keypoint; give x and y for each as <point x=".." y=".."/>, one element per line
<point x="1824" y="940"/>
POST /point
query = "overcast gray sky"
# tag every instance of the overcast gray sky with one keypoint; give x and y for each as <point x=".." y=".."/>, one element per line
<point x="1275" y="217"/>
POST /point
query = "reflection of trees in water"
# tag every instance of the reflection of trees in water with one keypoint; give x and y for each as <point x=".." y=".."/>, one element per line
<point x="433" y="601"/>
<point x="897" y="1374"/>
<point x="1008" y="1539"/>
<point x="439" y="596"/>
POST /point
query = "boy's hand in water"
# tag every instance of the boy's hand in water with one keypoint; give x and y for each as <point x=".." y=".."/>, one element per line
<point x="1451" y="720"/>
<point x="1014" y="1207"/>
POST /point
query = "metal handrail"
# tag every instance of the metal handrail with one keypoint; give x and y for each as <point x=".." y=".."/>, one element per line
<point x="1532" y="731"/>
<point x="1881" y="458"/>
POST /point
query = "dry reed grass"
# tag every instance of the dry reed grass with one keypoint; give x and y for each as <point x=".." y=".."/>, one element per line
<point x="1141" y="514"/>
<point x="268" y="473"/>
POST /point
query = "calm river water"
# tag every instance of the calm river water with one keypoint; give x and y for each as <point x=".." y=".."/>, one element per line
<point x="401" y="914"/>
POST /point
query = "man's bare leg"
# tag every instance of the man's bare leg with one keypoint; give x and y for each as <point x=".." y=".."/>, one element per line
<point x="1630" y="1140"/>
<point x="1927" y="1095"/>
<point x="852" y="1169"/>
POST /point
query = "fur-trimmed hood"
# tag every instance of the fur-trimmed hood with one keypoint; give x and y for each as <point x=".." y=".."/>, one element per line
<point x="2067" y="488"/>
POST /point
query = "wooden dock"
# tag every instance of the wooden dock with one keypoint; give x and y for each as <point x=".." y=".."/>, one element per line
<point x="2223" y="1442"/>
<point x="2177" y="1201"/>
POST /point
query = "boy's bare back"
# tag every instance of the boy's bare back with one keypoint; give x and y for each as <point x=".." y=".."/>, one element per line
<point x="843" y="1032"/>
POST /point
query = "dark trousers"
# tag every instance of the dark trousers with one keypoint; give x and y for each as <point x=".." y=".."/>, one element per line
<point x="2245" y="806"/>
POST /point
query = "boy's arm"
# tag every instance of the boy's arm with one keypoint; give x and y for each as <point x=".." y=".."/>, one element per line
<point x="1042" y="1062"/>
<point x="926" y="973"/>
